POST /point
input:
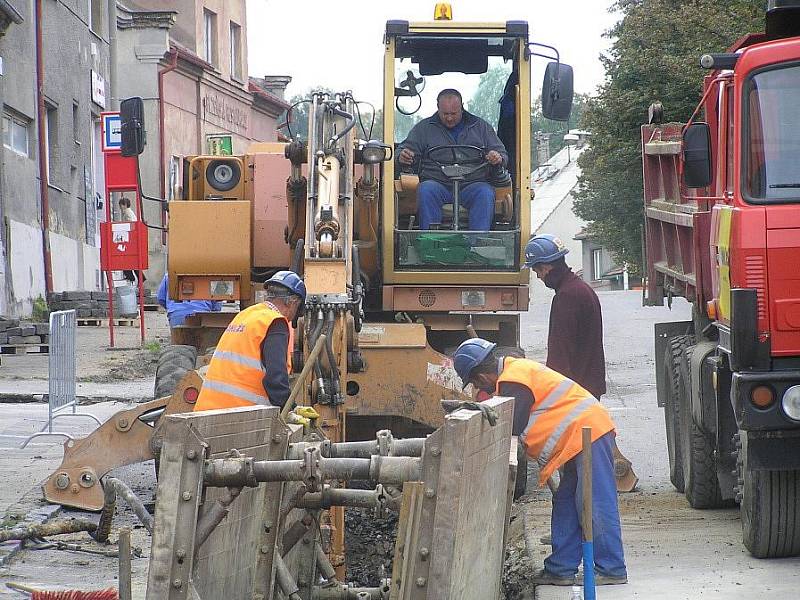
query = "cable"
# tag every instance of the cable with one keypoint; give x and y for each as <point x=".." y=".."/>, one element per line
<point x="287" y="124"/>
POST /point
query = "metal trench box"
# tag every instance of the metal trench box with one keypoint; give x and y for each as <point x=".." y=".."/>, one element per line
<point x="454" y="509"/>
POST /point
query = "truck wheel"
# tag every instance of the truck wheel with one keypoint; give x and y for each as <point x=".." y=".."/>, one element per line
<point x="173" y="363"/>
<point x="672" y="400"/>
<point x="769" y="508"/>
<point x="701" y="485"/>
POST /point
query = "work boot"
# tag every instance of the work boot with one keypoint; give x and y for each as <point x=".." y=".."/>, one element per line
<point x="600" y="579"/>
<point x="545" y="577"/>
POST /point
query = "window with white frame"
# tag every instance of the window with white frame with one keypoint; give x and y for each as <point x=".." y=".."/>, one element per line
<point x="15" y="133"/>
<point x="209" y="36"/>
<point x="597" y="264"/>
<point x="236" y="51"/>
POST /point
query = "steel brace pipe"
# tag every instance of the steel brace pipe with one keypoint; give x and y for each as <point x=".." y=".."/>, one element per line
<point x="246" y="472"/>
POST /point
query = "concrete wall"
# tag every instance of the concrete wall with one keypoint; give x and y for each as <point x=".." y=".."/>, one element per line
<point x="189" y="29"/>
<point x="563" y="222"/>
<point x="26" y="265"/>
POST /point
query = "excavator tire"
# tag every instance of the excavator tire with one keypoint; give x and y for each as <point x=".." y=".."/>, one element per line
<point x="701" y="485"/>
<point x="675" y="350"/>
<point x="173" y="363"/>
<point x="769" y="509"/>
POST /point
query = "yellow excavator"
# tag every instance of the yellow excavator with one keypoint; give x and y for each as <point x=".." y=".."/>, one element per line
<point x="391" y="299"/>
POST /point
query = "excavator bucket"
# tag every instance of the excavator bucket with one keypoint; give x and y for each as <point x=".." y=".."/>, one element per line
<point x="130" y="436"/>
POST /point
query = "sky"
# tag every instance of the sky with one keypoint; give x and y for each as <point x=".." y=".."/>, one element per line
<point x="338" y="45"/>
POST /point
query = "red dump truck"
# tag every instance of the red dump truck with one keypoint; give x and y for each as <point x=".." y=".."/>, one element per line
<point x="722" y="229"/>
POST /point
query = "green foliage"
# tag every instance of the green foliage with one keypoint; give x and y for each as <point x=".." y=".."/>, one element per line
<point x="485" y="102"/>
<point x="40" y="312"/>
<point x="654" y="57"/>
<point x="154" y="346"/>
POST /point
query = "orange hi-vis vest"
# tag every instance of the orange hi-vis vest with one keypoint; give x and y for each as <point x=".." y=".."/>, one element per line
<point x="235" y="374"/>
<point x="560" y="409"/>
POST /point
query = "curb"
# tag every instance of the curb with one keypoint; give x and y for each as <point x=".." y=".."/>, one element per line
<point x="14" y="398"/>
<point x="35" y="515"/>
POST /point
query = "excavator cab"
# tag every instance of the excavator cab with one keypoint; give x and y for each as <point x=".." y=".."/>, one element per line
<point x="456" y="267"/>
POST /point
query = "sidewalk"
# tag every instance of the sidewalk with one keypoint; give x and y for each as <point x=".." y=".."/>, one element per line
<point x="32" y="390"/>
<point x="24" y="469"/>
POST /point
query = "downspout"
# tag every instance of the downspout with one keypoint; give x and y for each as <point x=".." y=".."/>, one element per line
<point x="42" y="110"/>
<point x="173" y="64"/>
<point x="112" y="53"/>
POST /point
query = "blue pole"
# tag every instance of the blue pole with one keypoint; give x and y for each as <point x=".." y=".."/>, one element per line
<point x="588" y="536"/>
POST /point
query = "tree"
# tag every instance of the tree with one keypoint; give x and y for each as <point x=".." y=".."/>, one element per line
<point x="654" y="57"/>
<point x="485" y="102"/>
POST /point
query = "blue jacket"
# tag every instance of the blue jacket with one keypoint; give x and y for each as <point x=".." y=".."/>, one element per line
<point x="431" y="132"/>
<point x="178" y="310"/>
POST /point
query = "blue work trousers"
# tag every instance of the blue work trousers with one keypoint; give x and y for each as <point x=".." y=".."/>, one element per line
<point x="565" y="525"/>
<point x="477" y="198"/>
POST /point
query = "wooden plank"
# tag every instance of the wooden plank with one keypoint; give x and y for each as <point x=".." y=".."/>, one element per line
<point x="469" y="525"/>
<point x="676" y="218"/>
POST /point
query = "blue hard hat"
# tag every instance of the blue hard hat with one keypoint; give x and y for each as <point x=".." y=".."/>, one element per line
<point x="469" y="355"/>
<point x="289" y="280"/>
<point x="544" y="248"/>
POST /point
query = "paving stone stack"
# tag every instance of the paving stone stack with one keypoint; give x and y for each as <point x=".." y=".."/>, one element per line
<point x="14" y="333"/>
<point x="87" y="305"/>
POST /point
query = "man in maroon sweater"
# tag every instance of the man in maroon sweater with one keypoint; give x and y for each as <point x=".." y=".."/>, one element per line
<point x="575" y="338"/>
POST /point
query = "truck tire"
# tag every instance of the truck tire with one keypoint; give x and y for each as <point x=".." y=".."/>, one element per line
<point x="769" y="509"/>
<point x="674" y="353"/>
<point x="701" y="485"/>
<point x="173" y="363"/>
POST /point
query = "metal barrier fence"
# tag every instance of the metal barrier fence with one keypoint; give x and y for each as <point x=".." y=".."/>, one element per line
<point x="61" y="374"/>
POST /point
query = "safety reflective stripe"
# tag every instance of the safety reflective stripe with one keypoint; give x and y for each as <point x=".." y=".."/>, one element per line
<point x="550" y="444"/>
<point x="556" y="394"/>
<point x="246" y="361"/>
<point x="232" y="390"/>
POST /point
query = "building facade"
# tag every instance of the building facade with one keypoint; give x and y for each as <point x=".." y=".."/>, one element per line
<point x="189" y="65"/>
<point x="186" y="59"/>
<point x="49" y="175"/>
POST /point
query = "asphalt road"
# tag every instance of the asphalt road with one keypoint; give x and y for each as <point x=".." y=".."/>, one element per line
<point x="672" y="551"/>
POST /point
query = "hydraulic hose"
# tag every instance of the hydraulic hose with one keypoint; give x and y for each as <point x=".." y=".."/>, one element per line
<point x="111" y="487"/>
<point x="351" y="123"/>
<point x="297" y="257"/>
<point x="332" y="357"/>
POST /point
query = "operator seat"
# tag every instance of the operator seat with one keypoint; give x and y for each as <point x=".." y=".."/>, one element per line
<point x="405" y="189"/>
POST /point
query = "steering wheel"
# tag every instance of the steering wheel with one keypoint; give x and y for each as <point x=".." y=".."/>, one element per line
<point x="456" y="161"/>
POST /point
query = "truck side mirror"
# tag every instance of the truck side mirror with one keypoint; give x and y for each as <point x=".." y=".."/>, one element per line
<point x="131" y="112"/>
<point x="697" y="155"/>
<point x="557" y="91"/>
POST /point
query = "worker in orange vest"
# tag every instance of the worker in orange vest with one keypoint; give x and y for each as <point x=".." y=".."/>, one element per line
<point x="250" y="363"/>
<point x="549" y="412"/>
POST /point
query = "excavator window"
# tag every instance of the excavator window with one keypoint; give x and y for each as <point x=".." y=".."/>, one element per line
<point x="485" y="71"/>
